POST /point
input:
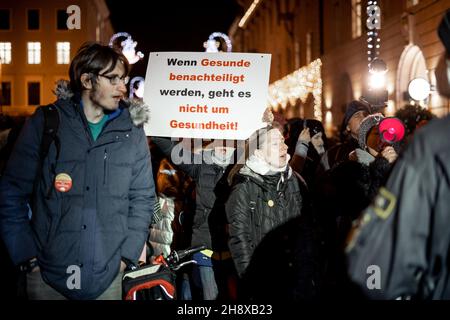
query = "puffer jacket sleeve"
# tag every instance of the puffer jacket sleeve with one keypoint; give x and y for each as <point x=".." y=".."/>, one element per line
<point x="142" y="199"/>
<point x="239" y="218"/>
<point x="16" y="187"/>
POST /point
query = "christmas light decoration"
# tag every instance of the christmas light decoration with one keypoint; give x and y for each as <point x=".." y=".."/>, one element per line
<point x="139" y="91"/>
<point x="373" y="24"/>
<point x="128" y="47"/>
<point x="211" y="45"/>
<point x="248" y="13"/>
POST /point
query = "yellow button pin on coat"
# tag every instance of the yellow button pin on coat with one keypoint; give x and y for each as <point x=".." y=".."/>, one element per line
<point x="270" y="203"/>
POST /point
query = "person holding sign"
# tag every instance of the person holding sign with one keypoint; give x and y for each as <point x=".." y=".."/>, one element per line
<point x="214" y="270"/>
<point x="209" y="226"/>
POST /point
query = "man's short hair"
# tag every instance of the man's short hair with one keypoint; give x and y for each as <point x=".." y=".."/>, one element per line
<point x="444" y="31"/>
<point x="93" y="57"/>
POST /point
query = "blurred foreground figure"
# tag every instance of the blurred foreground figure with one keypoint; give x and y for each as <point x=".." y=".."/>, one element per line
<point x="400" y="249"/>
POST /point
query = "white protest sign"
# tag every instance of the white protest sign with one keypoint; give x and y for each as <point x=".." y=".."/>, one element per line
<point x="206" y="95"/>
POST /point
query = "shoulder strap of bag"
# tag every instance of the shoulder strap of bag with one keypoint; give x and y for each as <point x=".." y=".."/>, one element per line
<point x="51" y="124"/>
<point x="49" y="135"/>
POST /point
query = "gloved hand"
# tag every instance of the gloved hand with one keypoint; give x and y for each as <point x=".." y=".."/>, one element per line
<point x="305" y="136"/>
<point x="389" y="154"/>
<point x="301" y="148"/>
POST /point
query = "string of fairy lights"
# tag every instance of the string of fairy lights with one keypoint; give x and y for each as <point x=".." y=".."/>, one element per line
<point x="373" y="24"/>
<point x="298" y="85"/>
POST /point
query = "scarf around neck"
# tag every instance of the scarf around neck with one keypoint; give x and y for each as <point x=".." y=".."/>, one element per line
<point x="261" y="167"/>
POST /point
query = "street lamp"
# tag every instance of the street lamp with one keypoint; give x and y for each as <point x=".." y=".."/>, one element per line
<point x="128" y="47"/>
<point x="377" y="95"/>
<point x="419" y="89"/>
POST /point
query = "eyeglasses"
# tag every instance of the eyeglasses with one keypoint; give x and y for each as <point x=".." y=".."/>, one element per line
<point x="114" y="80"/>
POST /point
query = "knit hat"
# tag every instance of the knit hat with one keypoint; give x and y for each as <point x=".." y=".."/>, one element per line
<point x="444" y="31"/>
<point x="352" y="108"/>
<point x="366" y="125"/>
<point x="315" y="126"/>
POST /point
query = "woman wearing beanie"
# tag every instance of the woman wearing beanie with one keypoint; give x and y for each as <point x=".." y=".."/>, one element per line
<point x="349" y="188"/>
<point x="367" y="168"/>
<point x="405" y="231"/>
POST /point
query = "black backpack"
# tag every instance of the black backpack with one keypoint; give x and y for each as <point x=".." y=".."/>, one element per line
<point x="51" y="124"/>
<point x="49" y="135"/>
<point x="17" y="282"/>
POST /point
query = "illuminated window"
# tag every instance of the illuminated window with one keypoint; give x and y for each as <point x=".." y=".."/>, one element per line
<point x="356" y="19"/>
<point x="34" y="52"/>
<point x="411" y="3"/>
<point x="5" y="52"/>
<point x="62" y="52"/>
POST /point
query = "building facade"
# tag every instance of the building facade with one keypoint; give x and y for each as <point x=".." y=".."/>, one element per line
<point x="297" y="32"/>
<point x="37" y="42"/>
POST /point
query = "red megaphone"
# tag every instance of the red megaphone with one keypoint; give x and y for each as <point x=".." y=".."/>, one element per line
<point x="391" y="129"/>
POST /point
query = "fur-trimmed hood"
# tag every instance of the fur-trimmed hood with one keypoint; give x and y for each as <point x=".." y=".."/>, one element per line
<point x="139" y="111"/>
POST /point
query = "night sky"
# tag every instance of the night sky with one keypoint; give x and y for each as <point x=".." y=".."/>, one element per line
<point x="181" y="25"/>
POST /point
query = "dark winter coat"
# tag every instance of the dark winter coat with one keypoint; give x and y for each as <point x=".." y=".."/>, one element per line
<point x="272" y="237"/>
<point x="405" y="231"/>
<point x="342" y="194"/>
<point x="105" y="215"/>
<point x="337" y="154"/>
<point x="211" y="192"/>
<point x="257" y="205"/>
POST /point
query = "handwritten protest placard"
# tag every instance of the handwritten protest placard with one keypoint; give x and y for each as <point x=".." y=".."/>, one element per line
<point x="206" y="95"/>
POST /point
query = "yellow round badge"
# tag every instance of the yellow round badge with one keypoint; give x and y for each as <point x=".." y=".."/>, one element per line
<point x="63" y="182"/>
<point x="270" y="203"/>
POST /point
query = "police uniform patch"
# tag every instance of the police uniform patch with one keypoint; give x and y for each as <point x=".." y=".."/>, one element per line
<point x="384" y="203"/>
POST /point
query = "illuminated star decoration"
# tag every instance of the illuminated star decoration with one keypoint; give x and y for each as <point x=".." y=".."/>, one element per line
<point x="129" y="51"/>
<point x="212" y="45"/>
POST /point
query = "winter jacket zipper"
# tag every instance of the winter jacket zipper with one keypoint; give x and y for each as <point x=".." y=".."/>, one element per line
<point x="105" y="158"/>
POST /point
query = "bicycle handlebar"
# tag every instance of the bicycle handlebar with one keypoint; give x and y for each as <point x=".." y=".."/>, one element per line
<point x="175" y="256"/>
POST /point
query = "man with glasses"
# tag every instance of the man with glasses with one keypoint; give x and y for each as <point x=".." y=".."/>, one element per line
<point x="91" y="197"/>
<point x="115" y="79"/>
